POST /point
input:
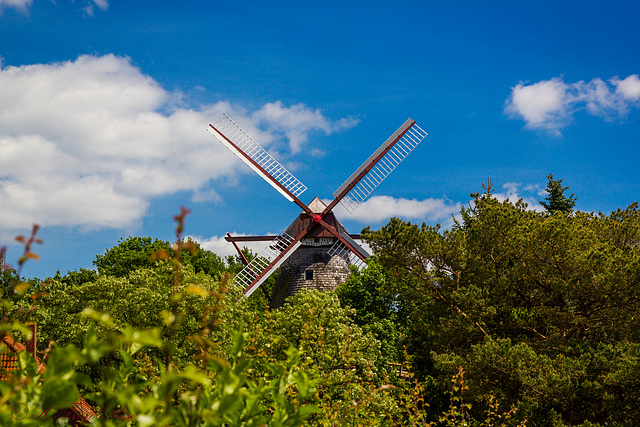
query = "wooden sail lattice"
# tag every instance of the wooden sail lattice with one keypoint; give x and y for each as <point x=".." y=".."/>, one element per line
<point x="252" y="153"/>
<point x="382" y="168"/>
<point x="341" y="250"/>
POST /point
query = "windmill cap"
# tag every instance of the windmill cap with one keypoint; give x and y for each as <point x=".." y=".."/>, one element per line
<point x="317" y="206"/>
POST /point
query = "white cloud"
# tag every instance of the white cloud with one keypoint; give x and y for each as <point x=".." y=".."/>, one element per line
<point x="530" y="195"/>
<point x="542" y="104"/>
<point x="22" y="5"/>
<point x="101" y="4"/>
<point x="549" y="104"/>
<point x="628" y="88"/>
<point x="381" y="208"/>
<point x="296" y="122"/>
<point x="218" y="245"/>
<point x="89" y="142"/>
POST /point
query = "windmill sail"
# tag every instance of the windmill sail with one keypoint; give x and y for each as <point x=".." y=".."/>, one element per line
<point x="363" y="254"/>
<point x="256" y="272"/>
<point x="377" y="167"/>
<point x="256" y="157"/>
<point x="341" y="250"/>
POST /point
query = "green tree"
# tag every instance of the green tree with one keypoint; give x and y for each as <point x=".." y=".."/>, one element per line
<point x="8" y="280"/>
<point x="540" y="310"/>
<point x="129" y="255"/>
<point x="376" y="310"/>
<point x="133" y="253"/>
<point x="556" y="200"/>
<point x="77" y="278"/>
<point x="141" y="299"/>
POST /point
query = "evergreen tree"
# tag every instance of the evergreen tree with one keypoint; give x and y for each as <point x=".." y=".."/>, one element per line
<point x="556" y="201"/>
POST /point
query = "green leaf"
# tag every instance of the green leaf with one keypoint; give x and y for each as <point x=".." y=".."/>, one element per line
<point x="59" y="392"/>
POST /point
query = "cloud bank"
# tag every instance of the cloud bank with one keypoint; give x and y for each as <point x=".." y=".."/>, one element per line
<point x="89" y="142"/>
<point x="378" y="209"/>
<point x="549" y="104"/>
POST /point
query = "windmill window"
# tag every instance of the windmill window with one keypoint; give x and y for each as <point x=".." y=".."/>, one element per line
<point x="308" y="275"/>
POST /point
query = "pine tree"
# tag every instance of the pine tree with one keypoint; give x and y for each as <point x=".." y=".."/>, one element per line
<point x="556" y="201"/>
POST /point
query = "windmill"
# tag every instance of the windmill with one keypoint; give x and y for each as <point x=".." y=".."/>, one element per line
<point x="315" y="250"/>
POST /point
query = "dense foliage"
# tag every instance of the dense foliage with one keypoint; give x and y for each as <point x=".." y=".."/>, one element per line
<point x="511" y="317"/>
<point x="540" y="310"/>
<point x="136" y="252"/>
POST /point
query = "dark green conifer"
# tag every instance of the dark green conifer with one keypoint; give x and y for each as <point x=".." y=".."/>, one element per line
<point x="556" y="201"/>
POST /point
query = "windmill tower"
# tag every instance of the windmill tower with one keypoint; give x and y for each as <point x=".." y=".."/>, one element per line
<point x="315" y="250"/>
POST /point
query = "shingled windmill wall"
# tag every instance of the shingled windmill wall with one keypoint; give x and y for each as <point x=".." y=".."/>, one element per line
<point x="328" y="273"/>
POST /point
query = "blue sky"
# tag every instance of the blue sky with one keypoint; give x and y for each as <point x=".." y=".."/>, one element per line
<point x="104" y="107"/>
